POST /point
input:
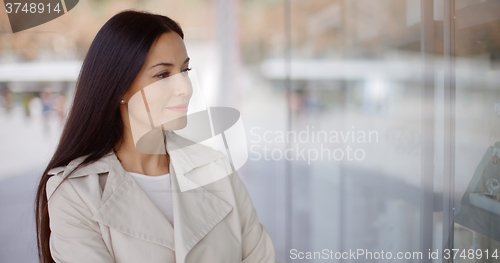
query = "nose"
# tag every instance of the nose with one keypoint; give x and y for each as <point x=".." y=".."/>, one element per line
<point x="183" y="86"/>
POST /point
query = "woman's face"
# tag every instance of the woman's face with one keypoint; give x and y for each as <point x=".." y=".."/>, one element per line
<point x="167" y="99"/>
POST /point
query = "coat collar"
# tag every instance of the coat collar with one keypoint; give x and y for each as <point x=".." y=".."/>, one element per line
<point x="186" y="153"/>
<point x="127" y="208"/>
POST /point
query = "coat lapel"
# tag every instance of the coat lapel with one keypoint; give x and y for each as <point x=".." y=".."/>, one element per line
<point x="197" y="211"/>
<point x="128" y="209"/>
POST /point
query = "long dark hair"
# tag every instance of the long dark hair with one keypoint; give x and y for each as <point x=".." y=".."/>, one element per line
<point x="94" y="125"/>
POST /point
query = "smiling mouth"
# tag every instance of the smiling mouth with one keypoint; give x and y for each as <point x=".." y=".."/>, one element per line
<point x="182" y="108"/>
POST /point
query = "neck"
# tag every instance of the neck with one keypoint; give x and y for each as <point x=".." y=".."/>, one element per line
<point x="134" y="161"/>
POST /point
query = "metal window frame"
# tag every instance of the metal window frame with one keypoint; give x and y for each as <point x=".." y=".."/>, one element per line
<point x="449" y="125"/>
<point x="427" y="128"/>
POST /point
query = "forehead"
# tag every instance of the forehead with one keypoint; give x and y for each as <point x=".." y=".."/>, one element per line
<point x="168" y="48"/>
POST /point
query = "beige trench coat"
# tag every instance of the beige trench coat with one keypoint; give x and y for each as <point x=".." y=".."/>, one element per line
<point x="100" y="214"/>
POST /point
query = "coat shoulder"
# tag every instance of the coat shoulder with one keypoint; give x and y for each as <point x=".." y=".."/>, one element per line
<point x="82" y="183"/>
<point x="78" y="168"/>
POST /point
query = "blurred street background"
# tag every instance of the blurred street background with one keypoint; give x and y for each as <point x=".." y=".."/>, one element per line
<point x="421" y="76"/>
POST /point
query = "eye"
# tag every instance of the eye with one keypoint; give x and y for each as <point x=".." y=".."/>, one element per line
<point x="162" y="75"/>
<point x="166" y="73"/>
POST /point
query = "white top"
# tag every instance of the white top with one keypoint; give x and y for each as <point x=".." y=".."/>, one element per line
<point x="159" y="189"/>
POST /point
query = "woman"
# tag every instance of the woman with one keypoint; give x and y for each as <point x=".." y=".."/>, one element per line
<point x="96" y="200"/>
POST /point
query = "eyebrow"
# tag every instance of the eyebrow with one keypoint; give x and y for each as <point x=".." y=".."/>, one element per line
<point x="168" y="64"/>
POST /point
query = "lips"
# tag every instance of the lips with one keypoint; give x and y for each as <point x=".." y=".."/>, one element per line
<point x="182" y="108"/>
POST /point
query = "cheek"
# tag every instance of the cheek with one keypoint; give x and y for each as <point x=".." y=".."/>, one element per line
<point x="137" y="111"/>
<point x="150" y="103"/>
<point x="157" y="98"/>
<point x="158" y="102"/>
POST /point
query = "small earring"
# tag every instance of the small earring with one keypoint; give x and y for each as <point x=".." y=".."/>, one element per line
<point x="122" y="101"/>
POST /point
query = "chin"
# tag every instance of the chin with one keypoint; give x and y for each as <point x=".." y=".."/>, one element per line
<point x="177" y="124"/>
